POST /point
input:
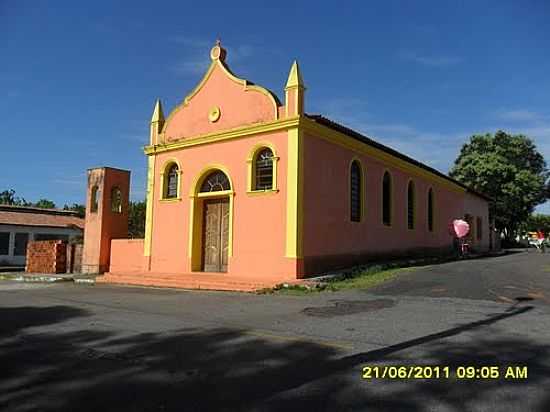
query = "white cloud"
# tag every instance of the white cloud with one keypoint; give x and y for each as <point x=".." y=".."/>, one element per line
<point x="435" y="149"/>
<point x="520" y="115"/>
<point x="192" y="66"/>
<point x="197" y="57"/>
<point x="431" y="61"/>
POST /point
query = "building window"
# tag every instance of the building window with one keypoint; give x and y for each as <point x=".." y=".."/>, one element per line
<point x="355" y="191"/>
<point x="479" y="225"/>
<point x="171" y="182"/>
<point x="94" y="199"/>
<point x="216" y="181"/>
<point x="4" y="243"/>
<point x="263" y="170"/>
<point x="410" y="205"/>
<point x="386" y="199"/>
<point x="21" y="240"/>
<point x="116" y="200"/>
<point x="430" y="210"/>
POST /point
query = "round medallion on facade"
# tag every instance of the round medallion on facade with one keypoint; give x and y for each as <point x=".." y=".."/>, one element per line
<point x="214" y="114"/>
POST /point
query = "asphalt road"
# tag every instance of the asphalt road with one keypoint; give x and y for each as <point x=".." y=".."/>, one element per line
<point x="68" y="347"/>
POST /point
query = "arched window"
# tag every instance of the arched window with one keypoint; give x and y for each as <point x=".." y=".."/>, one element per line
<point x="116" y="200"/>
<point x="430" y="210"/>
<point x="216" y="181"/>
<point x="263" y="170"/>
<point x="410" y="205"/>
<point x="355" y="192"/>
<point x="94" y="199"/>
<point x="171" y="182"/>
<point x="386" y="199"/>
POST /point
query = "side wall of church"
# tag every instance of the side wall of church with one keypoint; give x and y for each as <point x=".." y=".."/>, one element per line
<point x="331" y="239"/>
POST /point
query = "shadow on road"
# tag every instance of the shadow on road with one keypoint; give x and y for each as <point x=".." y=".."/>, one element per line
<point x="229" y="369"/>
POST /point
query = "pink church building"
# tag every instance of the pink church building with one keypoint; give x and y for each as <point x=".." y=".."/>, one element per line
<point x="245" y="192"/>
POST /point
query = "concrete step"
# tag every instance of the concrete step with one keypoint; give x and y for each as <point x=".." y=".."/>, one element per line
<point x="193" y="281"/>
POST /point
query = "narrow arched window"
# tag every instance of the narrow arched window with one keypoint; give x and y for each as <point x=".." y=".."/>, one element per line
<point x="171" y="185"/>
<point x="410" y="205"/>
<point x="386" y="199"/>
<point x="355" y="191"/>
<point x="430" y="210"/>
<point x="263" y="170"/>
<point x="216" y="181"/>
<point x="116" y="200"/>
<point x="94" y="199"/>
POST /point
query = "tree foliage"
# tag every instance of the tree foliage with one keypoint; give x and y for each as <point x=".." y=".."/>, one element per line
<point x="7" y="197"/>
<point x="45" y="204"/>
<point x="136" y="220"/>
<point x="536" y="222"/>
<point x="76" y="207"/>
<point x="507" y="168"/>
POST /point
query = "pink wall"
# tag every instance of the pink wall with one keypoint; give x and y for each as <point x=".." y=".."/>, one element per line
<point x="330" y="236"/>
<point x="238" y="107"/>
<point x="127" y="256"/>
<point x="259" y="222"/>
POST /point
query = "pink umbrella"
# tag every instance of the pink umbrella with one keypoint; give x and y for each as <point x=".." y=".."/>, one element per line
<point x="461" y="228"/>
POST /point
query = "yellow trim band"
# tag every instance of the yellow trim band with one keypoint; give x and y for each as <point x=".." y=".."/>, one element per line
<point x="235" y="133"/>
<point x="324" y="132"/>
<point x="147" y="242"/>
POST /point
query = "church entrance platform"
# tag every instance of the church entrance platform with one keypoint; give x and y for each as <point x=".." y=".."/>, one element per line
<point x="202" y="280"/>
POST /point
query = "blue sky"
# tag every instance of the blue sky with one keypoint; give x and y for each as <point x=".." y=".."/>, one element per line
<point x="78" y="80"/>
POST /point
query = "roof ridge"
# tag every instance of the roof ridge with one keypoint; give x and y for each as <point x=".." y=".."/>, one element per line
<point x="318" y="118"/>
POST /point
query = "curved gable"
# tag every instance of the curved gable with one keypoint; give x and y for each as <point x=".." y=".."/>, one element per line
<point x="220" y="101"/>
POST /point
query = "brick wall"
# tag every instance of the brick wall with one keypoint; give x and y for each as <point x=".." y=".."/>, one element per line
<point x="74" y="258"/>
<point x="46" y="256"/>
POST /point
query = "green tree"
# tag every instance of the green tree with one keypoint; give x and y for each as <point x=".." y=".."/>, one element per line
<point x="509" y="169"/>
<point x="45" y="204"/>
<point x="136" y="220"/>
<point x="75" y="207"/>
<point x="536" y="222"/>
<point x="7" y="197"/>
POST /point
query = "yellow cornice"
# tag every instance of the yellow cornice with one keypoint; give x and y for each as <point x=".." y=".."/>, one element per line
<point x="348" y="142"/>
<point x="234" y="133"/>
<point x="317" y="130"/>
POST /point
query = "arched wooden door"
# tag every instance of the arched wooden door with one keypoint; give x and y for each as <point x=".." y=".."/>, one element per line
<point x="215" y="234"/>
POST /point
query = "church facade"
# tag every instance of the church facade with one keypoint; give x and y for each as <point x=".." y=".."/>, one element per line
<point x="242" y="186"/>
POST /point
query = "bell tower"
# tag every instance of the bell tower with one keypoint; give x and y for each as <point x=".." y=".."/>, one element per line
<point x="107" y="201"/>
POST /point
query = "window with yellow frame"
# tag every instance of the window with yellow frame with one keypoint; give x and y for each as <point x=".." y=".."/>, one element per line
<point x="262" y="170"/>
<point x="170" y="181"/>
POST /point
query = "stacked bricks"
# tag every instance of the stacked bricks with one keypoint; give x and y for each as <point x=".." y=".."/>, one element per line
<point x="46" y="256"/>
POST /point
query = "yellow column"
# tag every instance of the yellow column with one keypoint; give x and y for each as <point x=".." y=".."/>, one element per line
<point x="149" y="206"/>
<point x="294" y="203"/>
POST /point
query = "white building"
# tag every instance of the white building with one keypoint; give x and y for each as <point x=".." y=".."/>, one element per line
<point x="20" y="224"/>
